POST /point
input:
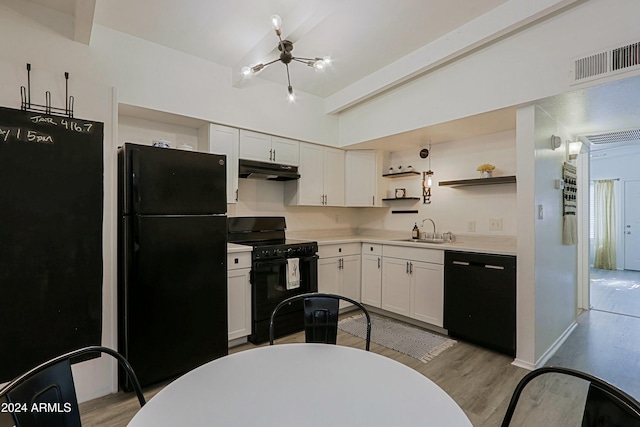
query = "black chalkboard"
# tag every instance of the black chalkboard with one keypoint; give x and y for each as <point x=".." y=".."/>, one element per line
<point x="51" y="209"/>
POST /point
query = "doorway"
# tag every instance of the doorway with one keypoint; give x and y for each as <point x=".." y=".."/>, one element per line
<point x="616" y="288"/>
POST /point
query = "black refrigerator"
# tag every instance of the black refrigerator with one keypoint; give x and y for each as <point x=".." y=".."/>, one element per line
<point x="172" y="263"/>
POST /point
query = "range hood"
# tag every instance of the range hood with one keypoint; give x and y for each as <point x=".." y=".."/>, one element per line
<point x="267" y="171"/>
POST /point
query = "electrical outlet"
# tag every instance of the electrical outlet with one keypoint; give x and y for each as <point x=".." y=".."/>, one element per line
<point x="495" y="224"/>
<point x="471" y="226"/>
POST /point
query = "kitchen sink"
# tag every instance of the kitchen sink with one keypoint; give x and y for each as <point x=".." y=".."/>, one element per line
<point x="423" y="240"/>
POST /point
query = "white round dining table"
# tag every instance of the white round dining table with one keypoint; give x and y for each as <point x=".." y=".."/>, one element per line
<point x="301" y="385"/>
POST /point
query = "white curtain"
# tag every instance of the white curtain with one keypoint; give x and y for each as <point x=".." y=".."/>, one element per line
<point x="605" y="225"/>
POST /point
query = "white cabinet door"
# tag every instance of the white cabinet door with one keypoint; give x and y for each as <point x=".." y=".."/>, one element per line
<point x="396" y="286"/>
<point x="333" y="176"/>
<point x="224" y="140"/>
<point x="349" y="281"/>
<point x="371" y="290"/>
<point x="360" y="178"/>
<point x="285" y="151"/>
<point x="310" y="186"/>
<point x="328" y="275"/>
<point x="427" y="292"/>
<point x="255" y="146"/>
<point x="239" y="303"/>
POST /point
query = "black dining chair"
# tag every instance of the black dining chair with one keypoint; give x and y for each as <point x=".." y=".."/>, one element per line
<point x="50" y="387"/>
<point x="320" y="317"/>
<point x="556" y="396"/>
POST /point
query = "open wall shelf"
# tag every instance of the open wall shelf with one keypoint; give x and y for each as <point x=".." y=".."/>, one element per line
<point x="401" y="174"/>
<point x="391" y="199"/>
<point x="479" y="181"/>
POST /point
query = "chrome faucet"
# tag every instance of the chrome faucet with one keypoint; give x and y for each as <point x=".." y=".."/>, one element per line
<point x="434" y="225"/>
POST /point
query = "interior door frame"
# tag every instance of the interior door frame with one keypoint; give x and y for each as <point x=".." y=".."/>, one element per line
<point x="583" y="278"/>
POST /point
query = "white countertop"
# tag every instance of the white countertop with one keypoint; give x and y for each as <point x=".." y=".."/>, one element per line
<point x="302" y="385"/>
<point x="466" y="243"/>
<point x="488" y="245"/>
<point x="233" y="248"/>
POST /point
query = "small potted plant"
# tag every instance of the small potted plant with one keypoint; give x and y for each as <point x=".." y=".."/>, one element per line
<point x="486" y="170"/>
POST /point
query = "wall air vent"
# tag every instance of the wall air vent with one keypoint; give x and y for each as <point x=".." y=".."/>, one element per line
<point x="605" y="63"/>
<point x="623" y="136"/>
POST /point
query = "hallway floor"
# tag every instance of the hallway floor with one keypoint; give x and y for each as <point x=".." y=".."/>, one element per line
<point x="606" y="345"/>
<point x="616" y="291"/>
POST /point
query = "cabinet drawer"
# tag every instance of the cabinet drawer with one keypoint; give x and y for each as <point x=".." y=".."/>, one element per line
<point x="328" y="251"/>
<point x="435" y="256"/>
<point x="371" y="249"/>
<point x="238" y="260"/>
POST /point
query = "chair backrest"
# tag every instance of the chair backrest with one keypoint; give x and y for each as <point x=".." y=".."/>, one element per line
<point x="320" y="317"/>
<point x="570" y="396"/>
<point x="45" y="396"/>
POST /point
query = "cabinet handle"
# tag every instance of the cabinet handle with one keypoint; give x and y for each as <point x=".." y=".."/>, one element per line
<point x="407" y="271"/>
<point x="236" y="194"/>
<point x="410" y="268"/>
<point x="373" y="201"/>
<point x="460" y="263"/>
<point x="494" y="267"/>
<point x="274" y="154"/>
<point x="270" y="154"/>
<point x="378" y="263"/>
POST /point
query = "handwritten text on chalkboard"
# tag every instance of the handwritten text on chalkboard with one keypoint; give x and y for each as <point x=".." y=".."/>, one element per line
<point x="25" y="135"/>
<point x="69" y="124"/>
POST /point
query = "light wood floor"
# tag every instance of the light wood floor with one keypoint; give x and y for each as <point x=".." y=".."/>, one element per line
<point x="616" y="291"/>
<point x="479" y="380"/>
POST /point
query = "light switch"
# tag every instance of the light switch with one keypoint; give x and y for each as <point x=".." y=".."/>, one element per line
<point x="540" y="212"/>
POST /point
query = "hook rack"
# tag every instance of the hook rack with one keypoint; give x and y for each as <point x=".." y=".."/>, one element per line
<point x="25" y="94"/>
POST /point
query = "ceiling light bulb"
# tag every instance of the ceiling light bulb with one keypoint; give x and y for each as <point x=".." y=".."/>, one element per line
<point x="327" y="60"/>
<point x="246" y="72"/>
<point x="319" y="65"/>
<point x="276" y="22"/>
<point x="291" y="96"/>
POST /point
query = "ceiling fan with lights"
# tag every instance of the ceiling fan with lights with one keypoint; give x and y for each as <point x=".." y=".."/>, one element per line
<point x="285" y="47"/>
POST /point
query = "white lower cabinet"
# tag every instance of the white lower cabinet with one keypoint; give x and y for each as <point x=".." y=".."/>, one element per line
<point x="339" y="270"/>
<point x="239" y="295"/>
<point x="413" y="283"/>
<point x="371" y="289"/>
<point x="396" y="286"/>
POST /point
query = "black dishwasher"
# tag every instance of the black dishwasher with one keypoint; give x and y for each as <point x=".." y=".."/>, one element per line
<point x="480" y="299"/>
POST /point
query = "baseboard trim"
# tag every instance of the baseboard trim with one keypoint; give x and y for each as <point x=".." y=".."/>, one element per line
<point x="556" y="345"/>
<point x="523" y="364"/>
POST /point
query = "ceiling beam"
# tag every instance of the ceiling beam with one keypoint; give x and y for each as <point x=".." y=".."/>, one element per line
<point x="499" y="22"/>
<point x="83" y="20"/>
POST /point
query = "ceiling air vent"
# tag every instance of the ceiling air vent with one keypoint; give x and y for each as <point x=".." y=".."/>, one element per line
<point x="622" y="136"/>
<point x="606" y="63"/>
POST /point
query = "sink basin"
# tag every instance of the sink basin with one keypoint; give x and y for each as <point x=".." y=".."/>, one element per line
<point x="423" y="240"/>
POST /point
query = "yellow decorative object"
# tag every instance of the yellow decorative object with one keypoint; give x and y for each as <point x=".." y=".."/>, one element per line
<point x="485" y="167"/>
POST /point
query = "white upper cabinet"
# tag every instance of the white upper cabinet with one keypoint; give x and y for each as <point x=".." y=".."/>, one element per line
<point x="267" y="148"/>
<point x="321" y="180"/>
<point x="333" y="176"/>
<point x="224" y="140"/>
<point x="363" y="178"/>
<point x="285" y="151"/>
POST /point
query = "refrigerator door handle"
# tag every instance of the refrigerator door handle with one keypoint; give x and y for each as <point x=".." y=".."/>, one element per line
<point x="135" y="178"/>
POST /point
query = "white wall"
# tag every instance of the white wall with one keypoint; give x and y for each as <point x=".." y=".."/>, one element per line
<point x="547" y="276"/>
<point x="619" y="163"/>
<point x="522" y="68"/>
<point x="453" y="207"/>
